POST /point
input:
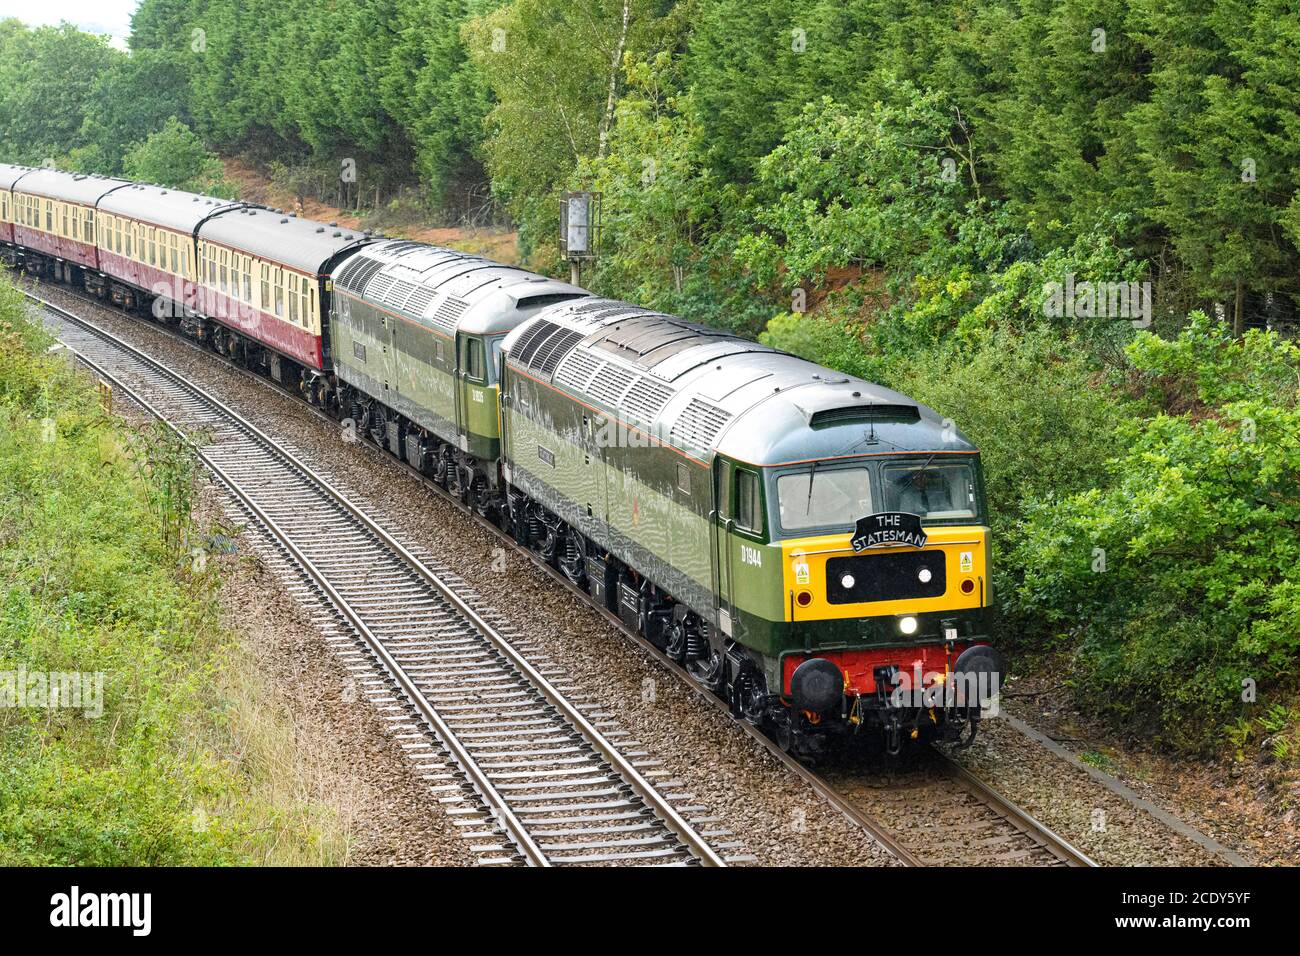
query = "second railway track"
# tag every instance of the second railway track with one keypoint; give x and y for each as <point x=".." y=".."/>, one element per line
<point x="991" y="828"/>
<point x="551" y="788"/>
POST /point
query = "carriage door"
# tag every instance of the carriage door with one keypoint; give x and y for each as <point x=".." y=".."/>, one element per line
<point x="472" y="405"/>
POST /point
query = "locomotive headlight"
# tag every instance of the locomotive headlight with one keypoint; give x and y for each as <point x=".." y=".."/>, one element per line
<point x="924" y="575"/>
<point x="907" y="625"/>
<point x="847" y="582"/>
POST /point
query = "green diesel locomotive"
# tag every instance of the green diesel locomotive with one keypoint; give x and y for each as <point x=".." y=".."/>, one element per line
<point x="811" y="546"/>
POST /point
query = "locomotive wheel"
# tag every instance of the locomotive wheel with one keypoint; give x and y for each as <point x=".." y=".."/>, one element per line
<point x="517" y="513"/>
<point x="749" y="695"/>
<point x="711" y="674"/>
<point x="480" y="497"/>
<point x="549" y="546"/>
<point x="378" y="430"/>
<point x="795" y="738"/>
<point x="573" y="557"/>
<point x="678" y="640"/>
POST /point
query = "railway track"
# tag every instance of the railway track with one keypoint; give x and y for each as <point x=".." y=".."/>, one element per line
<point x="986" y="827"/>
<point x="965" y="823"/>
<point x="539" y="782"/>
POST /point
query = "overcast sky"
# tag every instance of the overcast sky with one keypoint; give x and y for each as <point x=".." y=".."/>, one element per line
<point x="94" y="16"/>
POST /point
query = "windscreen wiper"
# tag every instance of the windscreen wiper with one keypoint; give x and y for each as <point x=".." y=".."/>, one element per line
<point x="812" y="476"/>
<point x="913" y="476"/>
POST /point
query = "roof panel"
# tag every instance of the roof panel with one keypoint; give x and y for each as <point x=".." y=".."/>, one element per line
<point x="711" y="391"/>
<point x="70" y="187"/>
<point x="169" y="208"/>
<point x="451" y="290"/>
<point x="301" y="244"/>
<point x="9" y="174"/>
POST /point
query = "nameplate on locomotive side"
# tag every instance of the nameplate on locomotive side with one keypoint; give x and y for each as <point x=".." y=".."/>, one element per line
<point x="889" y="529"/>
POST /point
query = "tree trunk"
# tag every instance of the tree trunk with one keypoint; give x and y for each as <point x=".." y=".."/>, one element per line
<point x="1238" y="316"/>
<point x="611" y="98"/>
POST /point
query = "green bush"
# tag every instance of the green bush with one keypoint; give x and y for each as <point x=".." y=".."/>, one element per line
<point x="1178" y="578"/>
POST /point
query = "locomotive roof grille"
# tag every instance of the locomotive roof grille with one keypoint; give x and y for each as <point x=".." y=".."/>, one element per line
<point x="398" y="294"/>
<point x="449" y="313"/>
<point x="610" y="384"/>
<point x="577" y="370"/>
<point x="613" y="307"/>
<point x="549" y="351"/>
<point x="357" y="273"/>
<point x="419" y="300"/>
<point x="646" y="398"/>
<point x="699" y="423"/>
<point x="525" y="347"/>
<point x="864" y="413"/>
<point x="377" y="288"/>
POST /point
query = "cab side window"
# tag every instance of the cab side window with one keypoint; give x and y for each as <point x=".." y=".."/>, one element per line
<point x="475" y="365"/>
<point x="748" y="507"/>
<point x="724" y="490"/>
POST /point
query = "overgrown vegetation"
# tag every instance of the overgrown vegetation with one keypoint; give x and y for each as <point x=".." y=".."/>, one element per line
<point x="888" y="189"/>
<point x="179" y="759"/>
<point x="1177" y="578"/>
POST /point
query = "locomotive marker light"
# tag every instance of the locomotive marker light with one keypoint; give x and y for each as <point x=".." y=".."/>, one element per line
<point x="579" y="230"/>
<point x="907" y="625"/>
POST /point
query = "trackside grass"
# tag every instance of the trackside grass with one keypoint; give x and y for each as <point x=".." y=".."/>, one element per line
<point x="166" y="747"/>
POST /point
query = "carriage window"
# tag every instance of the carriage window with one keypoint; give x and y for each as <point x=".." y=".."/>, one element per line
<point x="279" y="294"/>
<point x="749" y="510"/>
<point x="936" y="491"/>
<point x="823" y="498"/>
<point x="683" y="477"/>
<point x="307" y="311"/>
<point x="248" y="279"/>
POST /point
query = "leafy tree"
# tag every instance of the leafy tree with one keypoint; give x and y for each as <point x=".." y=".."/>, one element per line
<point x="555" y="70"/>
<point x="430" y="87"/>
<point x="175" y="156"/>
<point x="664" y="218"/>
<point x="48" y="80"/>
<point x="1219" y="131"/>
<point x="131" y="102"/>
<point x="846" y="188"/>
